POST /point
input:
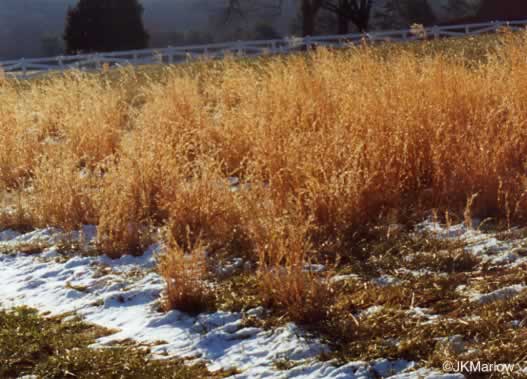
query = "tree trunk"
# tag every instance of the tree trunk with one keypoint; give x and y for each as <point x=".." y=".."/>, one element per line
<point x="342" y="25"/>
<point x="308" y="18"/>
<point x="362" y="26"/>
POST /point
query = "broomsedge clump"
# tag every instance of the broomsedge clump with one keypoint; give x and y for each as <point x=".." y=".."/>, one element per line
<point x="304" y="296"/>
<point x="285" y="279"/>
<point x="321" y="145"/>
<point x="62" y="194"/>
<point x="14" y="212"/>
<point x="127" y="207"/>
<point x="185" y="273"/>
<point x="205" y="207"/>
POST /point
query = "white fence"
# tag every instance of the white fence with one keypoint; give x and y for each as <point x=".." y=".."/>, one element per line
<point x="27" y="68"/>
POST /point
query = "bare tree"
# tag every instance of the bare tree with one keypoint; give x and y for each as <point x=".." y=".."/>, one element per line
<point x="310" y="9"/>
<point x="354" y="11"/>
<point x="245" y="8"/>
<point x="461" y="8"/>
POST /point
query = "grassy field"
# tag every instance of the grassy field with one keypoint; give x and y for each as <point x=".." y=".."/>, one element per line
<point x="58" y="347"/>
<point x="284" y="162"/>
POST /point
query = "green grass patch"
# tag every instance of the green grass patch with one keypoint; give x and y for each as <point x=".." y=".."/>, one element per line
<point x="58" y="347"/>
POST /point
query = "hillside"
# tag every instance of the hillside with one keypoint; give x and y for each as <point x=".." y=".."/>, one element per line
<point x="335" y="214"/>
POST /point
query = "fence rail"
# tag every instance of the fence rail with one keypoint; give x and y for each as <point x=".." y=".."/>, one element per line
<point x="28" y="68"/>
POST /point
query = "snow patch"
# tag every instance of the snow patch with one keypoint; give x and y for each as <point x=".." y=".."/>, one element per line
<point x="8" y="234"/>
<point x="124" y="294"/>
<point x="500" y="294"/>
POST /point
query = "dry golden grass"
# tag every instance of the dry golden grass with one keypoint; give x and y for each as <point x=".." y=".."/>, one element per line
<point x="321" y="146"/>
<point x="282" y="244"/>
<point x="62" y="194"/>
<point x="186" y="273"/>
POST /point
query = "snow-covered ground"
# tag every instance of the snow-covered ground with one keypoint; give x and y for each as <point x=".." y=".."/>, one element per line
<point x="124" y="295"/>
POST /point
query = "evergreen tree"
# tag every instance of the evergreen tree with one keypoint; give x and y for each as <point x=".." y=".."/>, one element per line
<point x="105" y="25"/>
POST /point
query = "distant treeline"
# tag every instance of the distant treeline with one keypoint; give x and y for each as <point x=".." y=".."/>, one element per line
<point x="30" y="28"/>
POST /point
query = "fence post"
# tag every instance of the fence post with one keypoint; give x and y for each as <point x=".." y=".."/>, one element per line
<point x="158" y="57"/>
<point x="24" y="68"/>
<point x="239" y="47"/>
<point x="97" y="60"/>
<point x="307" y="42"/>
<point x="435" y="31"/>
<point x="277" y="46"/>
